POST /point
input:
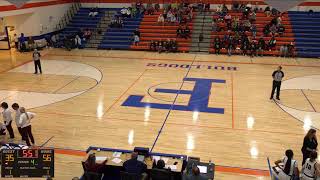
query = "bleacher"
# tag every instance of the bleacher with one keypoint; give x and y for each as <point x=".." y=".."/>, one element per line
<point x="121" y="38"/>
<point x="306" y="28"/>
<point x="81" y="20"/>
<point x="261" y="21"/>
<point x="151" y="30"/>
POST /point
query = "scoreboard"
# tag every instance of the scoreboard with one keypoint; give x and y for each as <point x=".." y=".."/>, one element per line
<point x="27" y="163"/>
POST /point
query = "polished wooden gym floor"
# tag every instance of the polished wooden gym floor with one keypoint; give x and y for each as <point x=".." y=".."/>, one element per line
<point x="238" y="140"/>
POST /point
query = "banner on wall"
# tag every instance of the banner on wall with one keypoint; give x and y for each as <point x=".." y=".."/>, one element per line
<point x="18" y="3"/>
<point x="283" y="5"/>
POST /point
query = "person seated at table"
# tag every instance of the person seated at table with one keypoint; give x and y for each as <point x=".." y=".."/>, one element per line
<point x="133" y="166"/>
<point x="159" y="172"/>
<point x="92" y="166"/>
<point x="194" y="175"/>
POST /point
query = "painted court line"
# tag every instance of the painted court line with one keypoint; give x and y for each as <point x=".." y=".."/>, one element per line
<point x="171" y="107"/>
<point x="188" y="60"/>
<point x="46" y="142"/>
<point x="232" y="98"/>
<point x="314" y="109"/>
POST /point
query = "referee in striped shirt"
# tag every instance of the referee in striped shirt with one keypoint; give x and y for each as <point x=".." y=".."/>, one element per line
<point x="277" y="78"/>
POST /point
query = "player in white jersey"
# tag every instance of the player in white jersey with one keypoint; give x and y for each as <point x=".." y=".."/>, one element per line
<point x="310" y="169"/>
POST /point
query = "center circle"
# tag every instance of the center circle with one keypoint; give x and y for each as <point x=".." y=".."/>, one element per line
<point x="169" y="97"/>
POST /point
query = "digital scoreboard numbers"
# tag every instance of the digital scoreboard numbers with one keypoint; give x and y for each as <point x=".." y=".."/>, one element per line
<point x="27" y="163"/>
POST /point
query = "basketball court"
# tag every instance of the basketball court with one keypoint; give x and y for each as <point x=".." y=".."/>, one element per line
<point x="213" y="107"/>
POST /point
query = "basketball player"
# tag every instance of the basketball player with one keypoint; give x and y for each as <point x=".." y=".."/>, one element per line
<point x="25" y="123"/>
<point x="15" y="106"/>
<point x="311" y="168"/>
<point x="36" y="59"/>
<point x="7" y="118"/>
<point x="289" y="170"/>
<point x="277" y="78"/>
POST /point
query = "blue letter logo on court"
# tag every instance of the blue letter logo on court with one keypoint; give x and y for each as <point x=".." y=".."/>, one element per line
<point x="199" y="98"/>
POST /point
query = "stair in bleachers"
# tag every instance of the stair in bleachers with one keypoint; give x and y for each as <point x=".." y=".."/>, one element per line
<point x="121" y="38"/>
<point x="151" y="30"/>
<point x="306" y="28"/>
<point x="81" y="21"/>
<point x="98" y="33"/>
<point x="261" y="21"/>
<point x="201" y="24"/>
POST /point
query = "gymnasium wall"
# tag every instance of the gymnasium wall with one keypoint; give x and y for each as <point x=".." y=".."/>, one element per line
<point x="35" y="18"/>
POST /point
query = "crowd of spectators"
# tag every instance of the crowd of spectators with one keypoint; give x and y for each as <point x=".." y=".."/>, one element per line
<point x="240" y="32"/>
<point x="176" y="13"/>
<point x="183" y="32"/>
<point x="164" y="46"/>
<point x="75" y="41"/>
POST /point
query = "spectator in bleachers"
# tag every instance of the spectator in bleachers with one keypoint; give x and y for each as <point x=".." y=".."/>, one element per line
<point x="136" y="39"/>
<point x="267" y="11"/>
<point x="157" y="7"/>
<point x="247" y="25"/>
<point x="161" y="46"/>
<point x="254" y="30"/>
<point x="77" y="42"/>
<point x="281" y="30"/>
<point x="93" y="12"/>
<point x="124" y="12"/>
<point x="217" y="45"/>
<point x="153" y="45"/>
<point x="272" y="43"/>
<point x="229" y="46"/>
<point x="261" y="46"/>
<point x="214" y="26"/>
<point x="252" y="17"/>
<point x="174" y="45"/>
<point x="235" y="6"/>
<point x="266" y="30"/>
<point x="92" y="166"/>
<point x="227" y="18"/>
<point x="245" y="46"/>
<point x="291" y="50"/>
<point x="253" y="48"/>
<point x="134" y="166"/>
<point x="273" y="30"/>
<point x="150" y="9"/>
<point x="283" y="50"/>
<point x="136" y="32"/>
<point x="274" y="12"/>
<point x="87" y="34"/>
<point x="186" y="32"/>
<point x="290" y="169"/>
<point x="161" y="19"/>
<point x="179" y="31"/>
